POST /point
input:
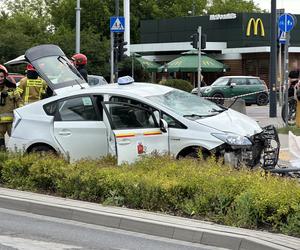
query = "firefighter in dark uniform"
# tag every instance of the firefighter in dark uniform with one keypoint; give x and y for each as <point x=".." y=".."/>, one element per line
<point x="80" y="61"/>
<point x="31" y="88"/>
<point x="7" y="104"/>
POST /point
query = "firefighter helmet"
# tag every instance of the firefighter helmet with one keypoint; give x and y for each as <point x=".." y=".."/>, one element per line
<point x="4" y="70"/>
<point x="79" y="59"/>
<point x="30" y="67"/>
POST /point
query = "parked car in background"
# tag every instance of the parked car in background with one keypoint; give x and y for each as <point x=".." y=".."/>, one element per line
<point x="14" y="77"/>
<point x="94" y="80"/>
<point x="232" y="86"/>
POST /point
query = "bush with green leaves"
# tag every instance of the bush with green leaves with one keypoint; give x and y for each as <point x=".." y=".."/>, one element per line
<point x="179" y="84"/>
<point x="199" y="189"/>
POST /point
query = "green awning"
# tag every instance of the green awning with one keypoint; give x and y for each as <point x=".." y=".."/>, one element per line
<point x="147" y="64"/>
<point x="189" y="63"/>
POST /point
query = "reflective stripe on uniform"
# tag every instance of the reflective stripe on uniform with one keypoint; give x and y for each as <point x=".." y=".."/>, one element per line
<point x="6" y="117"/>
<point x="19" y="90"/>
<point x="34" y="83"/>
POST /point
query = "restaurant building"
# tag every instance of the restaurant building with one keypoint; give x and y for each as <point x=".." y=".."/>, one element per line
<point x="239" y="40"/>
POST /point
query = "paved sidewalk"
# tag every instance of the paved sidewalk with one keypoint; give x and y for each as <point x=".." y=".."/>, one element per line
<point x="146" y="222"/>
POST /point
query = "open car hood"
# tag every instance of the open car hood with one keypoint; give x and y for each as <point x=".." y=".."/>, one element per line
<point x="53" y="66"/>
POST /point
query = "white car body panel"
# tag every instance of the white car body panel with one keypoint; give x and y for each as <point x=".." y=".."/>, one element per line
<point x="132" y="145"/>
<point x="77" y="138"/>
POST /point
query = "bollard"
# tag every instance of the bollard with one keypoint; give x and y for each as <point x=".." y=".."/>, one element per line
<point x="239" y="105"/>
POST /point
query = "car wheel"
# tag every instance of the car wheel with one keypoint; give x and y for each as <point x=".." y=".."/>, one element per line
<point x="219" y="98"/>
<point x="262" y="99"/>
<point x="42" y="149"/>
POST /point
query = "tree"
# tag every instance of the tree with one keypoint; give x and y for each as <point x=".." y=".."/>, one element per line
<point x="229" y="6"/>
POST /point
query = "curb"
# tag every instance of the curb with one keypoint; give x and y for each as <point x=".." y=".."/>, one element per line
<point x="146" y="222"/>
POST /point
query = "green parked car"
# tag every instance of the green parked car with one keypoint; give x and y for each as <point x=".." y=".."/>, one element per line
<point x="233" y="86"/>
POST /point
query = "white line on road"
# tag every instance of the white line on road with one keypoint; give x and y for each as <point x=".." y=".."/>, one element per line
<point x="28" y="244"/>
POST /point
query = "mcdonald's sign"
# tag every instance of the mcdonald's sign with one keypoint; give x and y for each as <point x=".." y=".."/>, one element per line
<point x="255" y="23"/>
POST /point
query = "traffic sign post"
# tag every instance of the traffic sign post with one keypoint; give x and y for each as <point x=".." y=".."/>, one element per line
<point x="117" y="25"/>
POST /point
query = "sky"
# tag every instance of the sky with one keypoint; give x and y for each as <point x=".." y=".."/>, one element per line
<point x="290" y="6"/>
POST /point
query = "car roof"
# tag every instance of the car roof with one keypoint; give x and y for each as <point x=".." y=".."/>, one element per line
<point x="141" y="89"/>
<point x="239" y="77"/>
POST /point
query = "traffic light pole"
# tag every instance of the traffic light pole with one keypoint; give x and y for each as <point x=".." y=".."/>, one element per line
<point x="112" y="79"/>
<point x="199" y="58"/>
<point x="273" y="61"/>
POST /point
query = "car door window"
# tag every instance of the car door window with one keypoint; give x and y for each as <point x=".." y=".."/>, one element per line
<point x="239" y="81"/>
<point x="77" y="109"/>
<point x="172" y="123"/>
<point x="126" y="116"/>
<point x="254" y="81"/>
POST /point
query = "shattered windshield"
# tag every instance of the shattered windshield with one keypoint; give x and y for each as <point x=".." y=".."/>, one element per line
<point x="187" y="105"/>
<point x="58" y="69"/>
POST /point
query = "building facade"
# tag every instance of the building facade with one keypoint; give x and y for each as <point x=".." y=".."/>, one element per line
<point x="241" y="41"/>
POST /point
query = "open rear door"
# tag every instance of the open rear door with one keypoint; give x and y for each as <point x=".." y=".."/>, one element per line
<point x="53" y="66"/>
<point x="137" y="131"/>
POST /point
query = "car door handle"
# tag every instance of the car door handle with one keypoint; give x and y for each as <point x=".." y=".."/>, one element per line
<point x="64" y="133"/>
<point x="124" y="142"/>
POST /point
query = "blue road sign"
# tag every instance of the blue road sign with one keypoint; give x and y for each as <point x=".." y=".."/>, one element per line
<point x="282" y="37"/>
<point x="286" y="22"/>
<point x="117" y="24"/>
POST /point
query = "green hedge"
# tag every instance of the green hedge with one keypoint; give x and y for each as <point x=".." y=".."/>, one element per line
<point x="204" y="190"/>
<point x="179" y="84"/>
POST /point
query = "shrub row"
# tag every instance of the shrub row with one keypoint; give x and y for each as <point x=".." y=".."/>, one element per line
<point x="204" y="190"/>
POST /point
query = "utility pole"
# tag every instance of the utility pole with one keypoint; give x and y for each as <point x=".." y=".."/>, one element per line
<point x="77" y="49"/>
<point x="273" y="61"/>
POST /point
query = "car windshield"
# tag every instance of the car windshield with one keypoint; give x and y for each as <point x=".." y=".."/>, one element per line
<point x="187" y="105"/>
<point x="220" y="82"/>
<point x="58" y="69"/>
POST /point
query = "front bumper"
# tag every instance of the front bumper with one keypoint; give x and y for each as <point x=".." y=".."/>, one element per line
<point x="264" y="150"/>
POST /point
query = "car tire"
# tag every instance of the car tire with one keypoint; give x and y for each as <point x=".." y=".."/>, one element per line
<point x="218" y="101"/>
<point x="262" y="99"/>
<point x="42" y="149"/>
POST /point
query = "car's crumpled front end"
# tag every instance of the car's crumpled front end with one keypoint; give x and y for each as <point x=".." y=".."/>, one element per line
<point x="263" y="150"/>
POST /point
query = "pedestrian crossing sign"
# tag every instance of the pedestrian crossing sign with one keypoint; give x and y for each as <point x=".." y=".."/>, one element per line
<point x="117" y="24"/>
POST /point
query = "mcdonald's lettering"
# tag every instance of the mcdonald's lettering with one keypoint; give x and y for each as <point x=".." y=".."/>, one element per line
<point x="256" y="24"/>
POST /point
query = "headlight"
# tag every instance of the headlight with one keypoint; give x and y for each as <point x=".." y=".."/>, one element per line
<point x="207" y="90"/>
<point x="233" y="139"/>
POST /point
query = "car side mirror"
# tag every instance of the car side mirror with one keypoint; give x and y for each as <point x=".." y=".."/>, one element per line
<point x="233" y="84"/>
<point x="163" y="126"/>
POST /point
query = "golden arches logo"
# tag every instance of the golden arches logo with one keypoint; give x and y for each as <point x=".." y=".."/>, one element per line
<point x="255" y="24"/>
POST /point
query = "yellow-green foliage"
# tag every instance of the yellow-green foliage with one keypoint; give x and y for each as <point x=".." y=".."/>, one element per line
<point x="198" y="189"/>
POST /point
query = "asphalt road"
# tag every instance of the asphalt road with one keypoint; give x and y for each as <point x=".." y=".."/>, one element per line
<point x="24" y="231"/>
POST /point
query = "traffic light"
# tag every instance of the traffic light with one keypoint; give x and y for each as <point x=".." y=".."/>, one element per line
<point x="195" y="40"/>
<point x="119" y="46"/>
<point x="203" y="41"/>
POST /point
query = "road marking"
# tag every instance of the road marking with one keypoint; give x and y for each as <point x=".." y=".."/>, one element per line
<point x="29" y="244"/>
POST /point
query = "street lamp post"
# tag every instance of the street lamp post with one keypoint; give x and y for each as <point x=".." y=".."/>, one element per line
<point x="77" y="50"/>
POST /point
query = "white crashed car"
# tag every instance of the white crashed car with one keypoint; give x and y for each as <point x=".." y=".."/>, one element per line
<point x="130" y="119"/>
